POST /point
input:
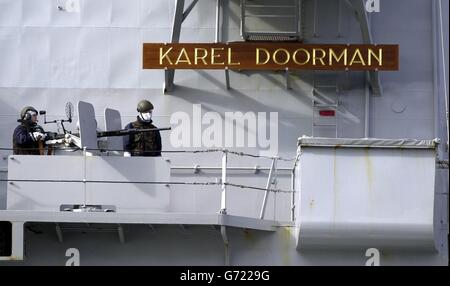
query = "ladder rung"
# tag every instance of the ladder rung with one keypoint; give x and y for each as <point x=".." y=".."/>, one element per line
<point x="330" y="125"/>
<point x="269" y="16"/>
<point x="326" y="86"/>
<point x="268" y="6"/>
<point x="277" y="33"/>
<point x="315" y="102"/>
<point x="326" y="105"/>
<point x="319" y="92"/>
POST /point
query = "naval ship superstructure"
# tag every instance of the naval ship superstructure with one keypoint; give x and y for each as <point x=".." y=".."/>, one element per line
<point x="258" y="167"/>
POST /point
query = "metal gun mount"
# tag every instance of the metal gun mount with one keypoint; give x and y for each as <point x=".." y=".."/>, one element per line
<point x="66" y="140"/>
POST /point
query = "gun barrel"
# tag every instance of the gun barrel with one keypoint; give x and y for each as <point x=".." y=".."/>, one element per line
<point x="125" y="132"/>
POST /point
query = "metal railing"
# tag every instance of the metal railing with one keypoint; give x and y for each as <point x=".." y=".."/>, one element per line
<point x="224" y="183"/>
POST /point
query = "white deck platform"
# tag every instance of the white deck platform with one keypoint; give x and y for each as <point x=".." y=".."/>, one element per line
<point x="136" y="218"/>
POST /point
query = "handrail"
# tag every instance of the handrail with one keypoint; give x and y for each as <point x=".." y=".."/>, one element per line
<point x="216" y="150"/>
<point x="223" y="182"/>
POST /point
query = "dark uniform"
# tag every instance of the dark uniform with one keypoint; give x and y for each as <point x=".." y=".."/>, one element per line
<point x="23" y="142"/>
<point x="146" y="144"/>
<point x="143" y="144"/>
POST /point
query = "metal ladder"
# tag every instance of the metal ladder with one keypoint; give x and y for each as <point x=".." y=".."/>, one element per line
<point x="253" y="12"/>
<point x="325" y="104"/>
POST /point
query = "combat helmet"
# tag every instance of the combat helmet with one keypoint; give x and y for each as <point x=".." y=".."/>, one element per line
<point x="24" y="115"/>
<point x="144" y="106"/>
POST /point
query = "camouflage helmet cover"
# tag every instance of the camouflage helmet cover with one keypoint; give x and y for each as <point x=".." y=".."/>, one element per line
<point x="144" y="106"/>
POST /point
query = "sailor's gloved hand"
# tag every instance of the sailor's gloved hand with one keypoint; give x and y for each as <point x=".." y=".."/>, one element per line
<point x="51" y="135"/>
<point x="38" y="136"/>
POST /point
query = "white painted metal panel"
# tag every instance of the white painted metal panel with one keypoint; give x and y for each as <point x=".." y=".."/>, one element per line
<point x="366" y="197"/>
<point x="129" y="197"/>
<point x="43" y="194"/>
<point x="42" y="182"/>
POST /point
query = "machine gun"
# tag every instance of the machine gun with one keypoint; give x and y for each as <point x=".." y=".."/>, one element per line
<point x="125" y="132"/>
<point x="68" y="139"/>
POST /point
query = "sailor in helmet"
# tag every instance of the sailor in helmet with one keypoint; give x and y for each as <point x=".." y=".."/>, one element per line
<point x="28" y="135"/>
<point x="146" y="143"/>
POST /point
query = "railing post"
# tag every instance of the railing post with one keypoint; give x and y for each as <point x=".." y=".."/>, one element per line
<point x="84" y="175"/>
<point x="294" y="169"/>
<point x="269" y="182"/>
<point x="293" y="194"/>
<point x="223" y="201"/>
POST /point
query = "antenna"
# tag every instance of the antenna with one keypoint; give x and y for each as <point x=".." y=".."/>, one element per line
<point x="69" y="111"/>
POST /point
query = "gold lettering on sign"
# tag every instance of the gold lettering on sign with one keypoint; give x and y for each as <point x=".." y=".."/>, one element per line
<point x="270" y="56"/>
<point x="186" y="59"/>
<point x="308" y="57"/>
<point x="336" y="57"/>
<point x="230" y="61"/>
<point x="214" y="56"/>
<point x="379" y="59"/>
<point x="360" y="58"/>
<point x="315" y="57"/>
<point x="258" y="62"/>
<point x="275" y="59"/>
<point x="202" y="58"/>
<point x="164" y="56"/>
